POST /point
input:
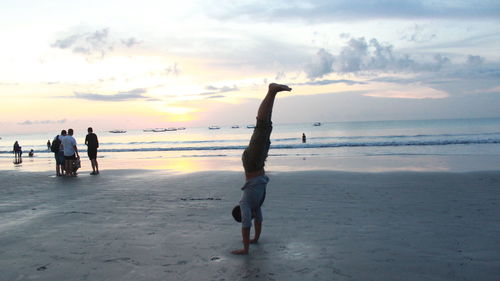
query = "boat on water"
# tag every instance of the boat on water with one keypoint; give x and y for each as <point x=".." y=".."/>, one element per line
<point x="317" y="124"/>
<point x="250" y="126"/>
<point x="171" y="129"/>
<point x="181" y="128"/>
<point x="159" y="130"/>
<point x="117" y="131"/>
<point x="235" y="127"/>
<point x="213" y="127"/>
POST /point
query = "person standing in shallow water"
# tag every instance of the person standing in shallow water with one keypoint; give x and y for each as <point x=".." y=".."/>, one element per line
<point x="17" y="153"/>
<point x="92" y="145"/>
<point x="253" y="158"/>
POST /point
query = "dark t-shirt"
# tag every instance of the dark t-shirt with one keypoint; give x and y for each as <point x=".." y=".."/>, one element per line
<point x="91" y="141"/>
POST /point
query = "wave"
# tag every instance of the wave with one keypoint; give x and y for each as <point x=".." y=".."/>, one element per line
<point x="310" y="139"/>
<point x="304" y="145"/>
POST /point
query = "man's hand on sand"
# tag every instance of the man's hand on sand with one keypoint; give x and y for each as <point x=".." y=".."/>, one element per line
<point x="275" y="88"/>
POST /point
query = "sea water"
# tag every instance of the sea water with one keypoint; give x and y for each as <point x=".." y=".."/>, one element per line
<point x="330" y="139"/>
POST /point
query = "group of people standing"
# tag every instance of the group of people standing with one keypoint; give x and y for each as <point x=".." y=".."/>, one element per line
<point x="66" y="153"/>
<point x="18" y="152"/>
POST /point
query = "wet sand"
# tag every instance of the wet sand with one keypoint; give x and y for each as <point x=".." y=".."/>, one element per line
<point x="318" y="225"/>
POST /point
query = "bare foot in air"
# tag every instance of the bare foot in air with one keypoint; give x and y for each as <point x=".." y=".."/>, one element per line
<point x="275" y="88"/>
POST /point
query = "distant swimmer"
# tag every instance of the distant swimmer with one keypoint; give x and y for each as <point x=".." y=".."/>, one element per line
<point x="31" y="153"/>
<point x="254" y="156"/>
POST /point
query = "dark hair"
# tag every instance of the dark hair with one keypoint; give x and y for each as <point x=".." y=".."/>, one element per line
<point x="237" y="213"/>
<point x="89" y="130"/>
<point x="70" y="131"/>
<point x="63" y="132"/>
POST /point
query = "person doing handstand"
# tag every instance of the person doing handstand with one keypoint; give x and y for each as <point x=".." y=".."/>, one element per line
<point x="253" y="158"/>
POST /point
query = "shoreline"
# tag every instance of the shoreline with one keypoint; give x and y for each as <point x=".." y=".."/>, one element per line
<point x="318" y="225"/>
<point x="276" y="163"/>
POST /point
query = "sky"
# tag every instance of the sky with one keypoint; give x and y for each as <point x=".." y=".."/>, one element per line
<point x="146" y="64"/>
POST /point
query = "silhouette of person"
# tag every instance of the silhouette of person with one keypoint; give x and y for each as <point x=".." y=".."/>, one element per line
<point x="303" y="138"/>
<point x="48" y="144"/>
<point x="59" y="154"/>
<point x="17" y="153"/>
<point x="253" y="158"/>
<point x="92" y="145"/>
<point x="31" y="153"/>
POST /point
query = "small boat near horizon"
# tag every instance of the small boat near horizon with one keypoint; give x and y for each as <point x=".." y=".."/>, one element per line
<point x="250" y="126"/>
<point x="159" y="130"/>
<point x="213" y="127"/>
<point x="181" y="128"/>
<point x="118" y="131"/>
<point x="317" y="124"/>
<point x="235" y="127"/>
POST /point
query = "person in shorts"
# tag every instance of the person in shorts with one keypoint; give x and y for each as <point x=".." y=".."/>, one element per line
<point x="70" y="153"/>
<point x="92" y="145"/>
<point x="59" y="154"/>
<point x="253" y="158"/>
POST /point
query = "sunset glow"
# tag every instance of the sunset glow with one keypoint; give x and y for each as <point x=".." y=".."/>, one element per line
<point x="195" y="63"/>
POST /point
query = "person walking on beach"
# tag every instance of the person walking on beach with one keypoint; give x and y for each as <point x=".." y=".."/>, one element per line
<point x="253" y="158"/>
<point x="58" y="150"/>
<point x="48" y="144"/>
<point x="92" y="145"/>
<point x="70" y="153"/>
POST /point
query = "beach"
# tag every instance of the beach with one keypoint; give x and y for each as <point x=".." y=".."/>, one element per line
<point x="156" y="224"/>
<point x="388" y="200"/>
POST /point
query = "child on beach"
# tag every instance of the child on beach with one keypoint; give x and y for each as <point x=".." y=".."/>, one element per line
<point x="254" y="156"/>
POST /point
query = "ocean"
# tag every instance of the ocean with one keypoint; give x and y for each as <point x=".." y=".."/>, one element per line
<point x="450" y="137"/>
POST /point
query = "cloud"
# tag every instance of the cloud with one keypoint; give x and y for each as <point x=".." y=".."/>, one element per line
<point x="93" y="43"/>
<point x="216" y="97"/>
<point x="360" y="55"/>
<point x="321" y="64"/>
<point x="130" y="42"/>
<point x="329" y="82"/>
<point x="418" y="34"/>
<point x="212" y="90"/>
<point x="40" y="122"/>
<point x="87" y="43"/>
<point x="172" y="70"/>
<point x="136" y="94"/>
<point x="411" y="92"/>
<point x="474" y="60"/>
<point x="357" y="10"/>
